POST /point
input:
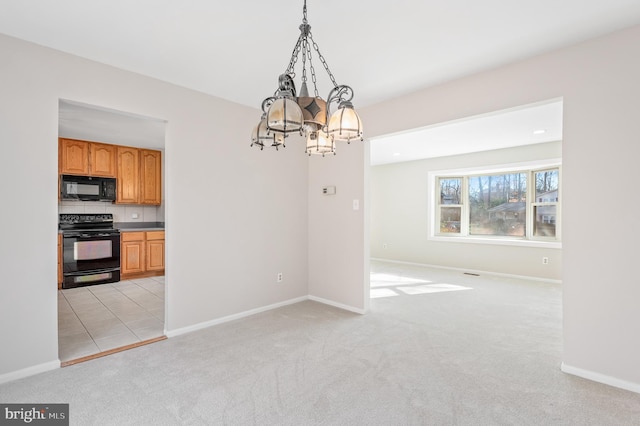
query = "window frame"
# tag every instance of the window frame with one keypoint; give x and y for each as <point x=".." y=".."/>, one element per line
<point x="462" y="207"/>
<point x="529" y="240"/>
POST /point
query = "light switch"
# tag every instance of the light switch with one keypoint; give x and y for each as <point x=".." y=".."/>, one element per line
<point x="356" y="204"/>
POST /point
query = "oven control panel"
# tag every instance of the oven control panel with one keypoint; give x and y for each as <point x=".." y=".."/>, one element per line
<point x="71" y="219"/>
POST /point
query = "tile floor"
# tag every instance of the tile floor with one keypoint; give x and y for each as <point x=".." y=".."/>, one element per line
<point x="97" y="318"/>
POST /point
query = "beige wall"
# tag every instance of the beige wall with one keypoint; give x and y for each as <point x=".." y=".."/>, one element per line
<point x="400" y="217"/>
<point x="598" y="81"/>
<point x="338" y="234"/>
<point x="235" y="216"/>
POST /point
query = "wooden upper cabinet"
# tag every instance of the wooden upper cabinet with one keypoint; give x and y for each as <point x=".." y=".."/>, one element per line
<point x="138" y="171"/>
<point x="76" y="157"/>
<point x="150" y="177"/>
<point x="128" y="175"/>
<point x="103" y="160"/>
<point x="73" y="157"/>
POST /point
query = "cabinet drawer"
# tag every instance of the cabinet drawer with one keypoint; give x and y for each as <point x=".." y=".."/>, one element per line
<point x="132" y="236"/>
<point x="155" y="235"/>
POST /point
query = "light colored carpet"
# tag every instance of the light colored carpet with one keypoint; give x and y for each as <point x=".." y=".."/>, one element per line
<point x="487" y="355"/>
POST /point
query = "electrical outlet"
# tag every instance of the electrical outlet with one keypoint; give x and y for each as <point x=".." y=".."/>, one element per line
<point x="545" y="260"/>
<point x="279" y="279"/>
<point x="384" y="245"/>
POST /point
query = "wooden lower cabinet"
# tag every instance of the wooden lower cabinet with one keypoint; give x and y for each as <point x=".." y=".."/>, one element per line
<point x="141" y="254"/>
<point x="132" y="255"/>
<point x="155" y="250"/>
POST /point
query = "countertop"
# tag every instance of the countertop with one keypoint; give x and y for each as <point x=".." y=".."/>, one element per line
<point x="139" y="226"/>
<point x="135" y="226"/>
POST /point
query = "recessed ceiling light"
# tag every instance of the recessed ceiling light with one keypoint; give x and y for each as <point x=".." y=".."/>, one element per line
<point x="539" y="132"/>
<point x="396" y="154"/>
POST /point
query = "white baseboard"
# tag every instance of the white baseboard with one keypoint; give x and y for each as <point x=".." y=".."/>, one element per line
<point x="337" y="305"/>
<point x="29" y="371"/>
<point x="473" y="271"/>
<point x="200" y="326"/>
<point x="601" y="378"/>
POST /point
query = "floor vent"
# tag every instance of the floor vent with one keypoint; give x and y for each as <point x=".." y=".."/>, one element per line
<point x="469" y="273"/>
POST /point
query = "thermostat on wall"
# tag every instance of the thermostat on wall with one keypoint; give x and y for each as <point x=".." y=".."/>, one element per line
<point x="329" y="190"/>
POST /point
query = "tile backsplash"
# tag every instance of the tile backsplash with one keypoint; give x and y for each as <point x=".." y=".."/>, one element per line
<point x="121" y="213"/>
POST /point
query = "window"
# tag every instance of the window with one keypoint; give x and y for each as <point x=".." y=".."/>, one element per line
<point x="451" y="205"/>
<point x="514" y="204"/>
<point x="546" y="205"/>
<point x="497" y="204"/>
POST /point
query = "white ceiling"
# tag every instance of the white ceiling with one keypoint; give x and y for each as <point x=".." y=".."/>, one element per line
<point x="91" y="123"/>
<point x="526" y="125"/>
<point x="236" y="50"/>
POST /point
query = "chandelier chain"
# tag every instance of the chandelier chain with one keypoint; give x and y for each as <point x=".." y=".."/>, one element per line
<point x="302" y="46"/>
<point x="305" y="47"/>
<point x="294" y="57"/>
<point x="313" y="73"/>
<point x="324" y="62"/>
<point x="304" y="12"/>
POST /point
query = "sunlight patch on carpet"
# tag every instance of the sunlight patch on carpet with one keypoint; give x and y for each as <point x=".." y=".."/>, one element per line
<point x="432" y="288"/>
<point x="389" y="280"/>
<point x="382" y="292"/>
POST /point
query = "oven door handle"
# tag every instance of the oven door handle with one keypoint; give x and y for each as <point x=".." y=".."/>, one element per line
<point x="88" y="236"/>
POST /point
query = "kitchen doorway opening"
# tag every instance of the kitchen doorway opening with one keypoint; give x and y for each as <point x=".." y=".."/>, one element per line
<point x="101" y="319"/>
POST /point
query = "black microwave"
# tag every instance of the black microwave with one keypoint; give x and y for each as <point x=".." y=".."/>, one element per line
<point x="87" y="188"/>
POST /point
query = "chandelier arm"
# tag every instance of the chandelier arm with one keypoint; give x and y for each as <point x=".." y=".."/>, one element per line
<point x="266" y="104"/>
<point x="286" y="86"/>
<point x="339" y="94"/>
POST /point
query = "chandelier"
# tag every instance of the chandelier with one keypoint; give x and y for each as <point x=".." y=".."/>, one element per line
<point x="288" y="112"/>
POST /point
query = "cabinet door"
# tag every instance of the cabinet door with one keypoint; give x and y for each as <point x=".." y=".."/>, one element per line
<point x="73" y="157"/>
<point x="155" y="255"/>
<point x="150" y="177"/>
<point x="132" y="257"/>
<point x="128" y="175"/>
<point x="103" y="160"/>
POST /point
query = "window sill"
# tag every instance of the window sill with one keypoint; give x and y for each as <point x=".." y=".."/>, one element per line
<point x="498" y="241"/>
